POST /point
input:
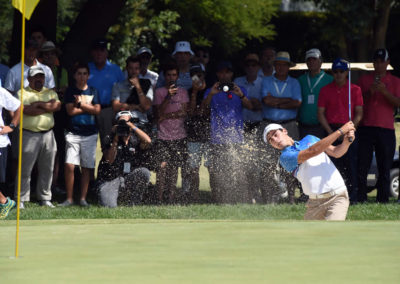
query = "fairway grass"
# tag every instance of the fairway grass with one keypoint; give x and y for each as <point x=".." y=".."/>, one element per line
<point x="200" y="251"/>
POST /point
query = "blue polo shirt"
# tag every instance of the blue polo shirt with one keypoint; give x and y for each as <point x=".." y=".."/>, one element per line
<point x="288" y="158"/>
<point x="290" y="88"/>
<point x="226" y="118"/>
<point x="253" y="91"/>
<point x="104" y="79"/>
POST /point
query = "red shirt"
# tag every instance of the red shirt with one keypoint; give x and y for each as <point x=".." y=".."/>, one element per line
<point x="378" y="112"/>
<point x="335" y="100"/>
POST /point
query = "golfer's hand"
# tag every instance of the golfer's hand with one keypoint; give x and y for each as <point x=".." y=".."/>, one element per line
<point x="349" y="126"/>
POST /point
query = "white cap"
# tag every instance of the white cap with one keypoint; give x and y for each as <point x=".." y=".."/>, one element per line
<point x="313" y="53"/>
<point x="34" y="70"/>
<point x="182" y="46"/>
<point x="270" y="127"/>
<point x="144" y="50"/>
<point x="123" y="112"/>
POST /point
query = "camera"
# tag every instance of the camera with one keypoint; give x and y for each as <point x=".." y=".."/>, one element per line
<point x="123" y="128"/>
<point x="226" y="87"/>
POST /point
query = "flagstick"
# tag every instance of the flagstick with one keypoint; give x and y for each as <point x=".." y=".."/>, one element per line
<point x="20" y="126"/>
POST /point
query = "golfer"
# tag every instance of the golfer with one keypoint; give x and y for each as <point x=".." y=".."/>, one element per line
<point x="308" y="160"/>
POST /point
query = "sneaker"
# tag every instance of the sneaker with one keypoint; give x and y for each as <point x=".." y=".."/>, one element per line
<point x="46" y="203"/>
<point x="66" y="203"/>
<point x="6" y="207"/>
<point x="83" y="203"/>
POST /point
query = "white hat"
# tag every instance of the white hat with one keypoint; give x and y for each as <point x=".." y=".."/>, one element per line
<point x="182" y="46"/>
<point x="284" y="57"/>
<point x="144" y="49"/>
<point x="123" y="112"/>
<point x="313" y="53"/>
<point x="270" y="127"/>
<point x="34" y="70"/>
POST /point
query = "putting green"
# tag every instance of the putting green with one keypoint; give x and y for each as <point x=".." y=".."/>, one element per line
<point x="145" y="251"/>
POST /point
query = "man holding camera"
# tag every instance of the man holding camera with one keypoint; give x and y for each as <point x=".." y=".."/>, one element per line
<point x="226" y="100"/>
<point x="133" y="94"/>
<point x="123" y="179"/>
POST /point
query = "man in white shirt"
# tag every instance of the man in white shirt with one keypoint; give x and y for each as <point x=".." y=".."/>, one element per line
<point x="13" y="79"/>
<point x="144" y="54"/>
<point x="308" y="161"/>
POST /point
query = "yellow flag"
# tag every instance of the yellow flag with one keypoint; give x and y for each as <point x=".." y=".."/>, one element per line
<point x="30" y="6"/>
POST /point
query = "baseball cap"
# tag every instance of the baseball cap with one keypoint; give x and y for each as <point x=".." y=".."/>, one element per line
<point x="144" y="49"/>
<point x="182" y="46"/>
<point x="123" y="112"/>
<point x="313" y="53"/>
<point x="224" y="65"/>
<point x="381" y="53"/>
<point x="99" y="43"/>
<point x="270" y="127"/>
<point x="341" y="64"/>
<point x="285" y="57"/>
<point x="34" y="70"/>
<point x="196" y="68"/>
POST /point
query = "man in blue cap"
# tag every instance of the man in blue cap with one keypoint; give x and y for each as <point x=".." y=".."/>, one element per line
<point x="333" y="111"/>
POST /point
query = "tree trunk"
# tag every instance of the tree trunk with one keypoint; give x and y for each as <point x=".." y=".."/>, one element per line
<point x="381" y="23"/>
<point x="45" y="15"/>
<point x="93" y="22"/>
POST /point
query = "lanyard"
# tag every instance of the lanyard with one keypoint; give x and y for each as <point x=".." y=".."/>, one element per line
<point x="280" y="92"/>
<point x="316" y="83"/>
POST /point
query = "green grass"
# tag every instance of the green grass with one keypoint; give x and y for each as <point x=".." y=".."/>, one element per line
<point x="182" y="251"/>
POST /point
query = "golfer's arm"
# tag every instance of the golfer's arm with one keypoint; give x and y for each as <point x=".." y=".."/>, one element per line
<point x="338" y="151"/>
<point x="318" y="148"/>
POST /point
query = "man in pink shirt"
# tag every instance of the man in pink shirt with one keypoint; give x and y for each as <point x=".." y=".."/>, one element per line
<point x="333" y="111"/>
<point x="381" y="92"/>
<point x="171" y="102"/>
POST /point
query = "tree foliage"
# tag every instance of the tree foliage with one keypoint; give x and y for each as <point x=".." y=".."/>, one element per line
<point x="6" y="21"/>
<point x="225" y="24"/>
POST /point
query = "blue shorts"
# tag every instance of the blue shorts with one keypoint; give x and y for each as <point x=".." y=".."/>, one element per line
<point x="197" y="150"/>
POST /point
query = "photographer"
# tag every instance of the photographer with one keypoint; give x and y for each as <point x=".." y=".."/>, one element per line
<point x="226" y="100"/>
<point x="123" y="180"/>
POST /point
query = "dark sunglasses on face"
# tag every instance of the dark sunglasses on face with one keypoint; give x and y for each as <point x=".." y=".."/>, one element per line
<point x="338" y="71"/>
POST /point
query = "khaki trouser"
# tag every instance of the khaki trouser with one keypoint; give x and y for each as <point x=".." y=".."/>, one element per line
<point x="40" y="148"/>
<point x="332" y="209"/>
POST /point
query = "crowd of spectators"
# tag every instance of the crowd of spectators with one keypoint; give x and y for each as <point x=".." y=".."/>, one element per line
<point x="181" y="117"/>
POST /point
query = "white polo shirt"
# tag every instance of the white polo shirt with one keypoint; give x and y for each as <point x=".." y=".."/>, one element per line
<point x="318" y="174"/>
<point x="10" y="103"/>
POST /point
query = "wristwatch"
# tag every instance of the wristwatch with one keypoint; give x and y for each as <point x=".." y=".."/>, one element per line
<point x="12" y="126"/>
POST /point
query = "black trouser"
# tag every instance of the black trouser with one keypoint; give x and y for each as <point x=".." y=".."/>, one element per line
<point x="383" y="141"/>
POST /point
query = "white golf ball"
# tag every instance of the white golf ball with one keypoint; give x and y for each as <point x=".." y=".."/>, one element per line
<point x="225" y="88"/>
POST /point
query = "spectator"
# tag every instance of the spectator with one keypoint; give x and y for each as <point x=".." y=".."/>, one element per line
<point x="134" y="94"/>
<point x="38" y="143"/>
<point x="281" y="98"/>
<point x="3" y="73"/>
<point x="381" y="93"/>
<point x="252" y="118"/>
<point x="171" y="103"/>
<point x="144" y="54"/>
<point x="10" y="103"/>
<point x="13" y="79"/>
<point x="182" y="54"/>
<point x="267" y="62"/>
<point x="333" y="112"/>
<point x="103" y="76"/>
<point x="225" y="100"/>
<point x="82" y="104"/>
<point x="122" y="178"/>
<point x="198" y="130"/>
<point x="311" y="83"/>
<point x="202" y="57"/>
<point x="38" y="34"/>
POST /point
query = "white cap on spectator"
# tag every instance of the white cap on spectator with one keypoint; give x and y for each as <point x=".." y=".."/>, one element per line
<point x="144" y="49"/>
<point x="182" y="46"/>
<point x="313" y="53"/>
<point x="34" y="70"/>
<point x="122" y="113"/>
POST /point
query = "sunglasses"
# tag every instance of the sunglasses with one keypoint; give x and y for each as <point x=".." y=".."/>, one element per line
<point x="338" y="71"/>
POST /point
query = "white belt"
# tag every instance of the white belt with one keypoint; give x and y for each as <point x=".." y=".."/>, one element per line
<point x="328" y="194"/>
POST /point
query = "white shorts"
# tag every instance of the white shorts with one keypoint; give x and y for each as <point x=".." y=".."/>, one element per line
<point x="81" y="150"/>
<point x="197" y="150"/>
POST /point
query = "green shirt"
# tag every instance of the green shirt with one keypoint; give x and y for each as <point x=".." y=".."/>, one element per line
<point x="309" y="92"/>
